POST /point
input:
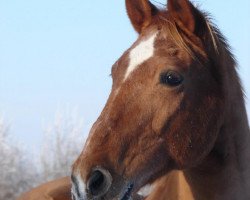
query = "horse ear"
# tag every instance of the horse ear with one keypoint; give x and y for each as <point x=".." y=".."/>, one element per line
<point x="184" y="12"/>
<point x="140" y="13"/>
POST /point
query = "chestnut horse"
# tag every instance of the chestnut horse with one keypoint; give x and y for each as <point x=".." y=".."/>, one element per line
<point x="175" y="121"/>
<point x="176" y="104"/>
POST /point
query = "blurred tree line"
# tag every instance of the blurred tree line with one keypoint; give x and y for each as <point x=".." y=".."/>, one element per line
<point x="21" y="169"/>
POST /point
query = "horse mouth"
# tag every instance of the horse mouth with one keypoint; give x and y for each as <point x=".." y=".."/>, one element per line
<point x="128" y="192"/>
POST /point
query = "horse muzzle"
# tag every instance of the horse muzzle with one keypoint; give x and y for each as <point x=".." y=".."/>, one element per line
<point x="100" y="186"/>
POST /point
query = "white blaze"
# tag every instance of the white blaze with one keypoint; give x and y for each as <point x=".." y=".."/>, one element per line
<point x="81" y="187"/>
<point x="140" y="54"/>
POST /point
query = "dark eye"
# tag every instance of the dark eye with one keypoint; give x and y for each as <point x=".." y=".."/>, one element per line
<point x="171" y="78"/>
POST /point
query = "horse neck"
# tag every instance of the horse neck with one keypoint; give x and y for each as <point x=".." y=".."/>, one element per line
<point x="225" y="173"/>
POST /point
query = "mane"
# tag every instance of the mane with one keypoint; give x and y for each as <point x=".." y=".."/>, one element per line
<point x="216" y="43"/>
<point x="181" y="40"/>
<point x="216" y="47"/>
<point x="224" y="47"/>
<point x="214" y="32"/>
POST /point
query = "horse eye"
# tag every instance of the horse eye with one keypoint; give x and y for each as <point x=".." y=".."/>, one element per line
<point x="171" y="78"/>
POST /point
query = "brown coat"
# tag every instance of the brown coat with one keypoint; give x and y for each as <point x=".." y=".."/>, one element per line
<point x="54" y="190"/>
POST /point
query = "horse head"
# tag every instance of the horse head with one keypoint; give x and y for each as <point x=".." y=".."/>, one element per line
<point x="165" y="108"/>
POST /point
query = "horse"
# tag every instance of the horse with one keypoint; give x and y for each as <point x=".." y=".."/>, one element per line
<point x="175" y="118"/>
<point x="175" y="125"/>
<point x="54" y="190"/>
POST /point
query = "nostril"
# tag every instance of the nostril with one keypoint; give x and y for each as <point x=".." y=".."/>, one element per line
<point x="96" y="182"/>
<point x="99" y="182"/>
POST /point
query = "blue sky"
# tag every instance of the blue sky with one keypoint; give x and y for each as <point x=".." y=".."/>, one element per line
<point x="57" y="55"/>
